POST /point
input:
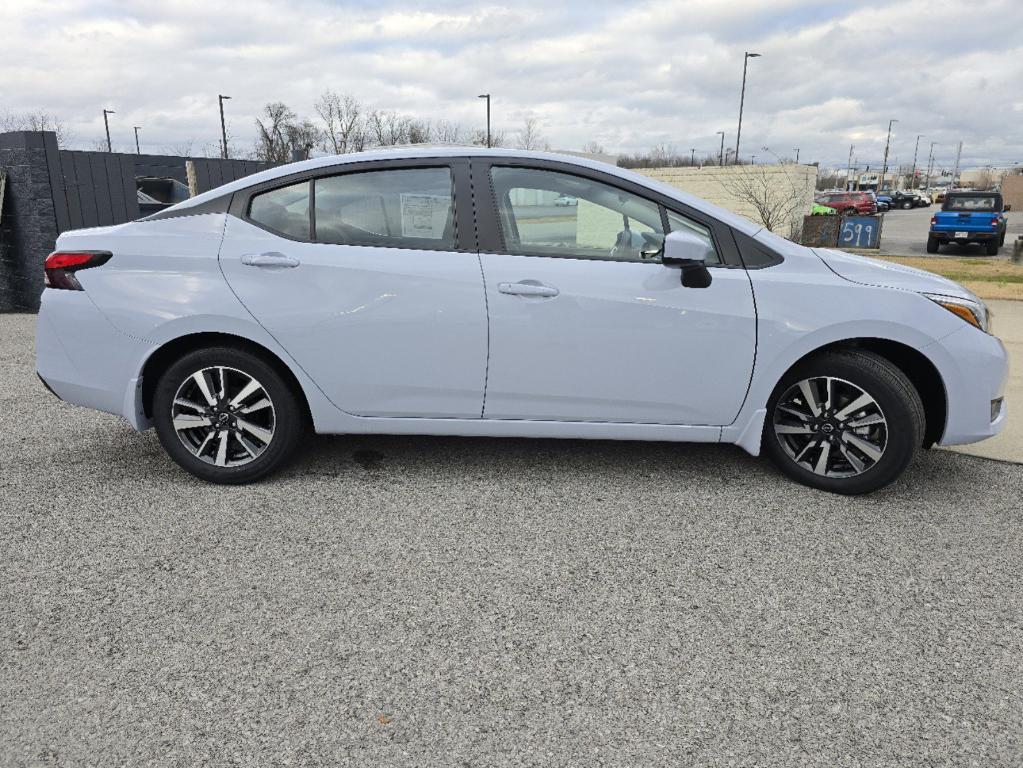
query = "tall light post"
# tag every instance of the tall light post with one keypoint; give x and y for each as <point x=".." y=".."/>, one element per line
<point x="137" y="150"/>
<point x="721" y="155"/>
<point x="797" y="155"/>
<point x="752" y="160"/>
<point x="487" y="97"/>
<point x="887" y="144"/>
<point x="223" y="127"/>
<point x="930" y="165"/>
<point x="742" y="99"/>
<point x="106" y="123"/>
<point x="912" y="178"/>
<point x="692" y="155"/>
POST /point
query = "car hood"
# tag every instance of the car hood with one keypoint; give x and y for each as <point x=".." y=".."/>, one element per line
<point x="868" y="271"/>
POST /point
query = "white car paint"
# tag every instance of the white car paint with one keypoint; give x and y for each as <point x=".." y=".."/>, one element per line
<point x="597" y="361"/>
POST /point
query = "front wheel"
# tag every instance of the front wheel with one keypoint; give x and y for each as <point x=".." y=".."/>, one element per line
<point x="226" y="415"/>
<point x="845" y="421"/>
<point x="907" y="205"/>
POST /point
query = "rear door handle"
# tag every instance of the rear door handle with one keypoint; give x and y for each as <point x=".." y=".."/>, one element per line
<point x="270" y="259"/>
<point x="528" y="289"/>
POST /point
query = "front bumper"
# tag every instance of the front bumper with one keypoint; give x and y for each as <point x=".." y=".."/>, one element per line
<point x="974" y="368"/>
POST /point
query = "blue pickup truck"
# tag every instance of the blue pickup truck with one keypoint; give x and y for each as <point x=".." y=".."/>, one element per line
<point x="969" y="217"/>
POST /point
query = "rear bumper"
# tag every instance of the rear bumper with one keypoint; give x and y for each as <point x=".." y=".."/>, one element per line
<point x="83" y="360"/>
<point x="971" y="236"/>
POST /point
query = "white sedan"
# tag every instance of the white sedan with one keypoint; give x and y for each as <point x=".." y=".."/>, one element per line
<point x="420" y="291"/>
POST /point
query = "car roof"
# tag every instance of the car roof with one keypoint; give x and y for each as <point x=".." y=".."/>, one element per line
<point x="416" y="152"/>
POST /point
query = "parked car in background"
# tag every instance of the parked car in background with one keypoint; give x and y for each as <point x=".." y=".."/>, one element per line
<point x="884" y="202"/>
<point x="566" y="201"/>
<point x="904" y="199"/>
<point x="969" y="217"/>
<point x="417" y="295"/>
<point x="925" y="197"/>
<point x="846" y="203"/>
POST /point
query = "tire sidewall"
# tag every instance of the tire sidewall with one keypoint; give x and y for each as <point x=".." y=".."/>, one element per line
<point x="288" y="421"/>
<point x="905" y="431"/>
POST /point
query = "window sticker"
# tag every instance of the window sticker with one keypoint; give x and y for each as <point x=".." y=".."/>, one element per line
<point x="424" y="216"/>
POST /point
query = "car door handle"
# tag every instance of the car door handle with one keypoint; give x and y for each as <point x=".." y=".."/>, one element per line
<point x="271" y="259"/>
<point x="528" y="289"/>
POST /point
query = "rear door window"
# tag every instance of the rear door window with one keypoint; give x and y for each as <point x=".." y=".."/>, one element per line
<point x="284" y="210"/>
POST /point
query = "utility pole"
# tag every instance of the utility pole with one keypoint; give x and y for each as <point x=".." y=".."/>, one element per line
<point x="692" y="155"/>
<point x="912" y="178"/>
<point x="955" y="168"/>
<point x="797" y="155"/>
<point x="137" y="150"/>
<point x="752" y="160"/>
<point x="742" y="99"/>
<point x="848" y="172"/>
<point x="930" y="165"/>
<point x="487" y="97"/>
<point x="887" y="144"/>
<point x="721" y="155"/>
<point x="106" y="122"/>
<point x="223" y="127"/>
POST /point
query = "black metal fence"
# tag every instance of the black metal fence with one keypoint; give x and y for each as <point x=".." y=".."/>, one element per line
<point x="49" y="191"/>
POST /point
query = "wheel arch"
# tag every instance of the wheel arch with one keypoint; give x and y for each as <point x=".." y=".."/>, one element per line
<point x="917" y="367"/>
<point x="165" y="356"/>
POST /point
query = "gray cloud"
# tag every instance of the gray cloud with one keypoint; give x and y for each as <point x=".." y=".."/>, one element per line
<point x="626" y="75"/>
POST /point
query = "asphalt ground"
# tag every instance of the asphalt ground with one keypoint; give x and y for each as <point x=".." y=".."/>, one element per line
<point x="469" y="602"/>
<point x="904" y="233"/>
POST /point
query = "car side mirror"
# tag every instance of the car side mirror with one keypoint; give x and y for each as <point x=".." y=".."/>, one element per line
<point x="691" y="252"/>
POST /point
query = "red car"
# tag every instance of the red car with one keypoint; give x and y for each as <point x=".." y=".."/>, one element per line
<point x="847" y="203"/>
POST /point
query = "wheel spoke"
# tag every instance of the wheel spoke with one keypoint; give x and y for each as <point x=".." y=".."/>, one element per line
<point x="222" y="449"/>
<point x="866" y="421"/>
<point x="810" y="396"/>
<point x="858" y="404"/>
<point x="801" y="415"/>
<point x="223" y="383"/>
<point x="202" y="381"/>
<point x="188" y="421"/>
<point x="250" y="449"/>
<point x="793" y="429"/>
<point x="829" y="388"/>
<point x="189" y="404"/>
<point x="263" y="435"/>
<point x="871" y="451"/>
<point x="821" y="467"/>
<point x="852" y="458"/>
<point x="256" y="406"/>
<point x="248" y="389"/>
<point x="809" y="444"/>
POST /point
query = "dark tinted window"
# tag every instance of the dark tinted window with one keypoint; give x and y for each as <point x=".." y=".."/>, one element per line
<point x="401" y="208"/>
<point x="284" y="210"/>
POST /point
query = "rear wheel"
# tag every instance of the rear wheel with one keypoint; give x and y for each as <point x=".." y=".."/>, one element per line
<point x="845" y="421"/>
<point x="907" y="205"/>
<point x="932" y="245"/>
<point x="992" y="246"/>
<point x="226" y="415"/>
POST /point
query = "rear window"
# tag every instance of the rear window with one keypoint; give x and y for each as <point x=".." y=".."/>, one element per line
<point x="970" y="203"/>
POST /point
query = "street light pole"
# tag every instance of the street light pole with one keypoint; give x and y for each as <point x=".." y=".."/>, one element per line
<point x="721" y="156"/>
<point x="797" y="155"/>
<point x="848" y="172"/>
<point x="487" y="97"/>
<point x="137" y="150"/>
<point x="887" y="144"/>
<point x="912" y="178"/>
<point x="692" y="155"/>
<point x="223" y="127"/>
<point x="930" y="164"/>
<point x="752" y="160"/>
<point x="106" y="123"/>
<point x="742" y="99"/>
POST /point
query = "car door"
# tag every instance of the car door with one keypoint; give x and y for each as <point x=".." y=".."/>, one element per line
<point x="368" y="276"/>
<point x="586" y="324"/>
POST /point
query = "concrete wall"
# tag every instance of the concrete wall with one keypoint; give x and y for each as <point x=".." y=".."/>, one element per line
<point x="779" y="183"/>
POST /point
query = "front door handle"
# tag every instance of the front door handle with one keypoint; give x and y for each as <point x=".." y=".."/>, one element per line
<point x="269" y="259"/>
<point x="528" y="289"/>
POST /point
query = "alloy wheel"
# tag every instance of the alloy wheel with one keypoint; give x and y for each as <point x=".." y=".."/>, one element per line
<point x="223" y="416"/>
<point x="830" y="427"/>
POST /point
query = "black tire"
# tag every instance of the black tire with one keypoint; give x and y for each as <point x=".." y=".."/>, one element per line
<point x="992" y="246"/>
<point x="907" y="205"/>
<point x="893" y="393"/>
<point x="287" y="417"/>
<point x="932" y="244"/>
<point x="1001" y="240"/>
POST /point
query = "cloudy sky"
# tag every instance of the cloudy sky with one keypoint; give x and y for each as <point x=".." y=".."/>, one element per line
<point x="625" y="75"/>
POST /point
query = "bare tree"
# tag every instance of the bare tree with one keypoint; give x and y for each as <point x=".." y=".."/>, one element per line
<point x="985" y="179"/>
<point x="184" y="148"/>
<point x="37" y="121"/>
<point x="478" y="137"/>
<point x="273" y="145"/>
<point x="594" y="148"/>
<point x="344" y="129"/>
<point x="446" y="132"/>
<point x="775" y="198"/>
<point x="529" y="136"/>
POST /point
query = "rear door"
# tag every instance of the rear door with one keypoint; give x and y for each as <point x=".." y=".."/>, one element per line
<point x="585" y="325"/>
<point x="367" y="274"/>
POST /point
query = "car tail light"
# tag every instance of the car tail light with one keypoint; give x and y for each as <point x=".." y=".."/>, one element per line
<point x="934" y="220"/>
<point x="60" y="267"/>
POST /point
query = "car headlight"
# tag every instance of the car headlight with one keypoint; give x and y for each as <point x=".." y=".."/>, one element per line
<point x="975" y="313"/>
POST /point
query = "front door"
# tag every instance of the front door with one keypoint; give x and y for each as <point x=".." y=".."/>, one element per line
<point x="363" y="278"/>
<point x="586" y="324"/>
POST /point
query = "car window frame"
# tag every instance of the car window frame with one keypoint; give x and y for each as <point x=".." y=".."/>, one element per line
<point x="461" y="200"/>
<point x="491" y="238"/>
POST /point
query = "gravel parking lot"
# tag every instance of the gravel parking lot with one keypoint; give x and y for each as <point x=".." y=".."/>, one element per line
<point x="434" y="602"/>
